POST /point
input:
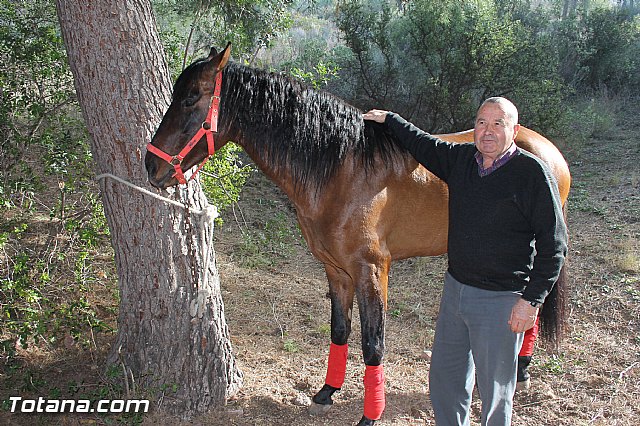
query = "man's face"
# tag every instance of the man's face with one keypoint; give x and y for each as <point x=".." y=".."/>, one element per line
<point x="494" y="131"/>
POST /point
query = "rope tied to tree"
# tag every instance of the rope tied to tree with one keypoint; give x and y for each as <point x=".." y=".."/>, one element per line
<point x="209" y="213"/>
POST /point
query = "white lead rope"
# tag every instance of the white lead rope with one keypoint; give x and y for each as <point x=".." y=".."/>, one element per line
<point x="210" y="212"/>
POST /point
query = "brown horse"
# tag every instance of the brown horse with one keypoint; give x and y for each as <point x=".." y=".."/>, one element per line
<point x="361" y="201"/>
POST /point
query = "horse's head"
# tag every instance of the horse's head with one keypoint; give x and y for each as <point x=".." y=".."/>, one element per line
<point x="185" y="136"/>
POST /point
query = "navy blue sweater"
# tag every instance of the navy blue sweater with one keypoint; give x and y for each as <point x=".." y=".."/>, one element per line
<point x="506" y="229"/>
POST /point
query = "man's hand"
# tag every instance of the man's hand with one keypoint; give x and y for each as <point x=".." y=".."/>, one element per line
<point x="523" y="316"/>
<point x="376" y="115"/>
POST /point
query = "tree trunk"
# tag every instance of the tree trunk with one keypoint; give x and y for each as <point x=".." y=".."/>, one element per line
<point x="172" y="336"/>
<point x="569" y="8"/>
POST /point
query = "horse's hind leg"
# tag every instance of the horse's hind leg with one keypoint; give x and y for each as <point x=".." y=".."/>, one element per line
<point x="372" y="294"/>
<point x="341" y="291"/>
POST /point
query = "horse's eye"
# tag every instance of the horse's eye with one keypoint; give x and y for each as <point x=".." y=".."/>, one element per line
<point x="191" y="100"/>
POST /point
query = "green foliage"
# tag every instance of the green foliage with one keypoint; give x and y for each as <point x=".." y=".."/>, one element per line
<point x="599" y="48"/>
<point x="452" y="55"/>
<point x="367" y="32"/>
<point x="273" y="241"/>
<point x="42" y="135"/>
<point x="609" y="50"/>
<point x="320" y="75"/>
<point x="554" y="364"/>
<point x="248" y="24"/>
<point x="172" y="42"/>
<point x="290" y="346"/>
<point x="308" y="51"/>
<point x="224" y="176"/>
<point x="36" y="92"/>
<point x="587" y="117"/>
<point x="324" y="329"/>
<point x="435" y="61"/>
<point x="39" y="300"/>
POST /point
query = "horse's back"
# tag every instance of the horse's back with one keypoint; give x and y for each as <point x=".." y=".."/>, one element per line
<point x="536" y="144"/>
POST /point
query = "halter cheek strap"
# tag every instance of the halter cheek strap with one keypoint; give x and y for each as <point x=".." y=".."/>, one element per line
<point x="208" y="128"/>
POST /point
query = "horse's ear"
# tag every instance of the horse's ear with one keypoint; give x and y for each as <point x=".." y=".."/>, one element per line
<point x="219" y="60"/>
<point x="225" y="54"/>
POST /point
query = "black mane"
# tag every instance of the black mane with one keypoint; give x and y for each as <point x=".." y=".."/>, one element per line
<point x="306" y="131"/>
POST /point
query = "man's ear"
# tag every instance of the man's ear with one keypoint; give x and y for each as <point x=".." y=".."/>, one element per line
<point x="516" y="129"/>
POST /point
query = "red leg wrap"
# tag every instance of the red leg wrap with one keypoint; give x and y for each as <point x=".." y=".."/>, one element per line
<point x="529" y="341"/>
<point x="337" y="365"/>
<point x="374" y="400"/>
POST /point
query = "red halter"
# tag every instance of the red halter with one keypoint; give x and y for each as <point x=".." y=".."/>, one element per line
<point x="209" y="127"/>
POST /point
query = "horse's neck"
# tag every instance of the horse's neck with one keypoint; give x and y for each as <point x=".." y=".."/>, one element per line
<point x="241" y="111"/>
<point x="279" y="175"/>
<point x="300" y="138"/>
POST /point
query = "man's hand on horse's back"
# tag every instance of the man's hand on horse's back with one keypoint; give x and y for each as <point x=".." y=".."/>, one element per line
<point x="376" y="115"/>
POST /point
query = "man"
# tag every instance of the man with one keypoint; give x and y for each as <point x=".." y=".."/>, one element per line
<point x="507" y="243"/>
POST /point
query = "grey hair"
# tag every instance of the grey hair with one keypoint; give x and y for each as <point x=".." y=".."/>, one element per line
<point x="507" y="106"/>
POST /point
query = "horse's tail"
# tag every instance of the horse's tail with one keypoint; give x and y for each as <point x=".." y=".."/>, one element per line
<point x="555" y="311"/>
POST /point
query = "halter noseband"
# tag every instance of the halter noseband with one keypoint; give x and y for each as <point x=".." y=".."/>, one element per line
<point x="209" y="127"/>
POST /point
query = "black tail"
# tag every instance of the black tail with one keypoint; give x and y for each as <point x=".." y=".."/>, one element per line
<point x="555" y="311"/>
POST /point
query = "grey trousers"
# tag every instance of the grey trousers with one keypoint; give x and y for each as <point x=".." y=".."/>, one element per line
<point x="473" y="340"/>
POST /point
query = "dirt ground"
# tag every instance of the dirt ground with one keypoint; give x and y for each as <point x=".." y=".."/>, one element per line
<point x="278" y="314"/>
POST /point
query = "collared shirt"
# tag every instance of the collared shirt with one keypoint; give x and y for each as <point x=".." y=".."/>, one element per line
<point x="497" y="163"/>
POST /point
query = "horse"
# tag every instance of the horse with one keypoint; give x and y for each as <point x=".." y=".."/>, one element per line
<point x="362" y="202"/>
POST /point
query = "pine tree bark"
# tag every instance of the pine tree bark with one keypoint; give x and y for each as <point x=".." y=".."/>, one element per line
<point x="172" y="334"/>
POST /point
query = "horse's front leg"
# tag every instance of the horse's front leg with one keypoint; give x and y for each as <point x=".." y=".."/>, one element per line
<point x="372" y="295"/>
<point x="341" y="291"/>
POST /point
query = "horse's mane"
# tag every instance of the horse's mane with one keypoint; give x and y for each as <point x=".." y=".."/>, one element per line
<point x="305" y="131"/>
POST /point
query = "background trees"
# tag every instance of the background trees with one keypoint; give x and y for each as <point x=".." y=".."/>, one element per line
<point x="435" y="61"/>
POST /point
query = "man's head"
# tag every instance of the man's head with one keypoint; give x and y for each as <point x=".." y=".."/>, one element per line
<point x="496" y="127"/>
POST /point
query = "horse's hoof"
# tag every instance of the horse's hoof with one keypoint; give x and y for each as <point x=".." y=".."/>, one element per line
<point x="316" y="409"/>
<point x="366" y="422"/>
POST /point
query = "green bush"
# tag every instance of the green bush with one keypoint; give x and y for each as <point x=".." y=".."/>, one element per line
<point x="610" y="54"/>
<point x="47" y="232"/>
<point x="36" y="92"/>
<point x="224" y="176"/>
<point x="434" y="62"/>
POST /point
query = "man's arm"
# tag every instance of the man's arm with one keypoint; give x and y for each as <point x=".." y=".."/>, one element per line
<point x="551" y="240"/>
<point x="551" y="249"/>
<point x="436" y="155"/>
